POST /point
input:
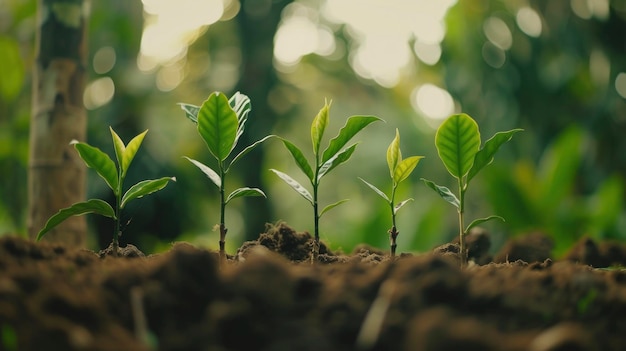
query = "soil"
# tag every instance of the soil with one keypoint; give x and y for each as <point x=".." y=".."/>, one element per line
<point x="269" y="296"/>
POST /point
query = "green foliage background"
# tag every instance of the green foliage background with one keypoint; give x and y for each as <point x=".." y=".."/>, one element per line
<point x="563" y="176"/>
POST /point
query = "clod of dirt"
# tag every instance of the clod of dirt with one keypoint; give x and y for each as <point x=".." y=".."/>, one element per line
<point x="126" y="251"/>
<point x="534" y="247"/>
<point x="285" y="241"/>
<point x="605" y="254"/>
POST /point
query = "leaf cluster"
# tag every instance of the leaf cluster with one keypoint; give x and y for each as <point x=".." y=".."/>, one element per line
<point x="113" y="176"/>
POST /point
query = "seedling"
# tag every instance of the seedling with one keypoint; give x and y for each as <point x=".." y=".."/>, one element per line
<point x="324" y="162"/>
<point x="458" y="145"/>
<point x="221" y="122"/>
<point x="399" y="170"/>
<point x="114" y="177"/>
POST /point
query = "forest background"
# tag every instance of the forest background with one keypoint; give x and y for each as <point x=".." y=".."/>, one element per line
<point x="555" y="68"/>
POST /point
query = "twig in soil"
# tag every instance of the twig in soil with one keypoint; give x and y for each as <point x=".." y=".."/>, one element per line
<point x="373" y="322"/>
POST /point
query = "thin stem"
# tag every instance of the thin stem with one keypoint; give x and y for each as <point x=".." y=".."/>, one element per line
<point x="223" y="229"/>
<point x="116" y="233"/>
<point x="393" y="232"/>
<point x="462" y="248"/>
<point x="316" y="218"/>
<point x="316" y="241"/>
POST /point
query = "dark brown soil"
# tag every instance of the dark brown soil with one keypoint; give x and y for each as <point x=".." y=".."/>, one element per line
<point x="269" y="297"/>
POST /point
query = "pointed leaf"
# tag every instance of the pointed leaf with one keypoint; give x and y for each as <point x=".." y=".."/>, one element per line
<point x="218" y="124"/>
<point x="444" y="192"/>
<point x="118" y="145"/>
<point x="130" y="151"/>
<point x="336" y="161"/>
<point x="353" y="125"/>
<point x="331" y="206"/>
<point x="486" y="154"/>
<point x="215" y="178"/>
<point x="295" y="185"/>
<point x="245" y="192"/>
<point x="378" y="191"/>
<point x="480" y="221"/>
<point x="398" y="206"/>
<point x="101" y="162"/>
<point x="240" y="103"/>
<point x="405" y="168"/>
<point x="145" y="187"/>
<point x="298" y="156"/>
<point x="246" y="150"/>
<point x="394" y="154"/>
<point x="319" y="126"/>
<point x="457" y="141"/>
<point x="191" y="111"/>
<point x="91" y="206"/>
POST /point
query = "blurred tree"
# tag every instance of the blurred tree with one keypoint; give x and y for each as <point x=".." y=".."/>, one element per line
<point x="56" y="175"/>
<point x="257" y="22"/>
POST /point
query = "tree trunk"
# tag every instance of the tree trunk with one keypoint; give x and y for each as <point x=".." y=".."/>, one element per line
<point x="258" y="22"/>
<point x="56" y="173"/>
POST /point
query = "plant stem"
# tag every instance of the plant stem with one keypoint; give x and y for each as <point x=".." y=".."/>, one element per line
<point x="223" y="229"/>
<point x="118" y="210"/>
<point x="393" y="232"/>
<point x="316" y="218"/>
<point x="462" y="248"/>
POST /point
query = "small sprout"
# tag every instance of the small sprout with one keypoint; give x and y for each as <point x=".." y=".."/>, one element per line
<point x="114" y="177"/>
<point x="458" y="145"/>
<point x="334" y="155"/>
<point x="221" y="122"/>
<point x="399" y="170"/>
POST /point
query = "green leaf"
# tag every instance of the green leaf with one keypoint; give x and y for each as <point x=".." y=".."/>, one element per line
<point x="458" y="141"/>
<point x="480" y="221"/>
<point x="378" y="191"/>
<point x="398" y="206"/>
<point x="444" y="192"/>
<point x="486" y="154"/>
<point x="295" y="185"/>
<point x="145" y="187"/>
<point x="191" y="111"/>
<point x="126" y="154"/>
<point x="331" y="206"/>
<point x="99" y="161"/>
<point x="394" y="155"/>
<point x="319" y="126"/>
<point x="118" y="145"/>
<point x="405" y="168"/>
<point x="298" y="156"/>
<point x="353" y="125"/>
<point x="215" y="178"/>
<point x="218" y="124"/>
<point x="240" y="103"/>
<point x="335" y="161"/>
<point x="247" y="149"/>
<point x="77" y="209"/>
<point x="245" y="192"/>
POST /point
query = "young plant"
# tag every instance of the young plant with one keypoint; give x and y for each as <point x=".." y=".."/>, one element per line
<point x="399" y="170"/>
<point x="323" y="162"/>
<point x="458" y="145"/>
<point x="221" y="122"/>
<point x="114" y="177"/>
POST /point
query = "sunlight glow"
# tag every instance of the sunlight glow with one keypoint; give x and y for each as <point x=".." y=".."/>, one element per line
<point x="498" y="33"/>
<point x="104" y="60"/>
<point x="528" y="21"/>
<point x="435" y="103"/>
<point x="170" y="27"/>
<point x="98" y="93"/>
<point x="380" y="33"/>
